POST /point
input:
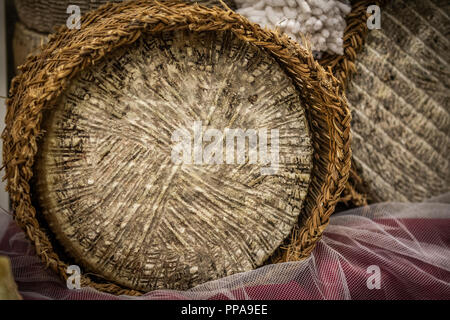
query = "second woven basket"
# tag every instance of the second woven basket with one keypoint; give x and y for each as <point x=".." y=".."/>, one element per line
<point x="399" y="97"/>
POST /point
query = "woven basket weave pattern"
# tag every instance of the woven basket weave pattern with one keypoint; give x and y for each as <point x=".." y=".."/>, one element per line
<point x="400" y="102"/>
<point x="409" y="54"/>
<point x="344" y="67"/>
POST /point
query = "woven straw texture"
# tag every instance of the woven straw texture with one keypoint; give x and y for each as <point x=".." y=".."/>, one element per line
<point x="399" y="100"/>
<point x="344" y="67"/>
<point x="400" y="104"/>
<point x="44" y="15"/>
<point x="46" y="76"/>
<point x="391" y="169"/>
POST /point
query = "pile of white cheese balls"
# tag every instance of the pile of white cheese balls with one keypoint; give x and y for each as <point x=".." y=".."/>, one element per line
<point x="323" y="21"/>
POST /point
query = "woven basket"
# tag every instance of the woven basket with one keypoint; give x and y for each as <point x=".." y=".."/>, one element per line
<point x="106" y="34"/>
<point x="398" y="97"/>
<point x="44" y="15"/>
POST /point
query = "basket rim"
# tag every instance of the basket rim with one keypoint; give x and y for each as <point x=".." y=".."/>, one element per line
<point x="37" y="19"/>
<point x="356" y="191"/>
<point x="45" y="76"/>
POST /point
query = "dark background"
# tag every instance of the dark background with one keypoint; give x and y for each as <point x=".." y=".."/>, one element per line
<point x="11" y="17"/>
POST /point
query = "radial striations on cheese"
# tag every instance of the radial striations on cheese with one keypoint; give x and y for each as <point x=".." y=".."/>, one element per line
<point x="121" y="207"/>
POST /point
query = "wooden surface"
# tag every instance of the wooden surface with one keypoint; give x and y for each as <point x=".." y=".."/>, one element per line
<point x="401" y="103"/>
<point x="124" y="210"/>
<point x="8" y="287"/>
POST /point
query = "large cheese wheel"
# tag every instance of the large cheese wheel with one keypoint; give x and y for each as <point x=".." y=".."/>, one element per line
<point x="119" y="202"/>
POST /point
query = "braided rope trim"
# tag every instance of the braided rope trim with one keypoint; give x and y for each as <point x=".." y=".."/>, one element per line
<point x="46" y="76"/>
<point x="355" y="36"/>
<point x="343" y="67"/>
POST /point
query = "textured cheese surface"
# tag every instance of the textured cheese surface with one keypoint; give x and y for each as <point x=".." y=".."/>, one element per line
<point x="124" y="210"/>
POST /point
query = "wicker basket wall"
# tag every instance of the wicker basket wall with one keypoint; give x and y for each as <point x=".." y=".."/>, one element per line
<point x="44" y="15"/>
<point x="399" y="100"/>
<point x="53" y="96"/>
